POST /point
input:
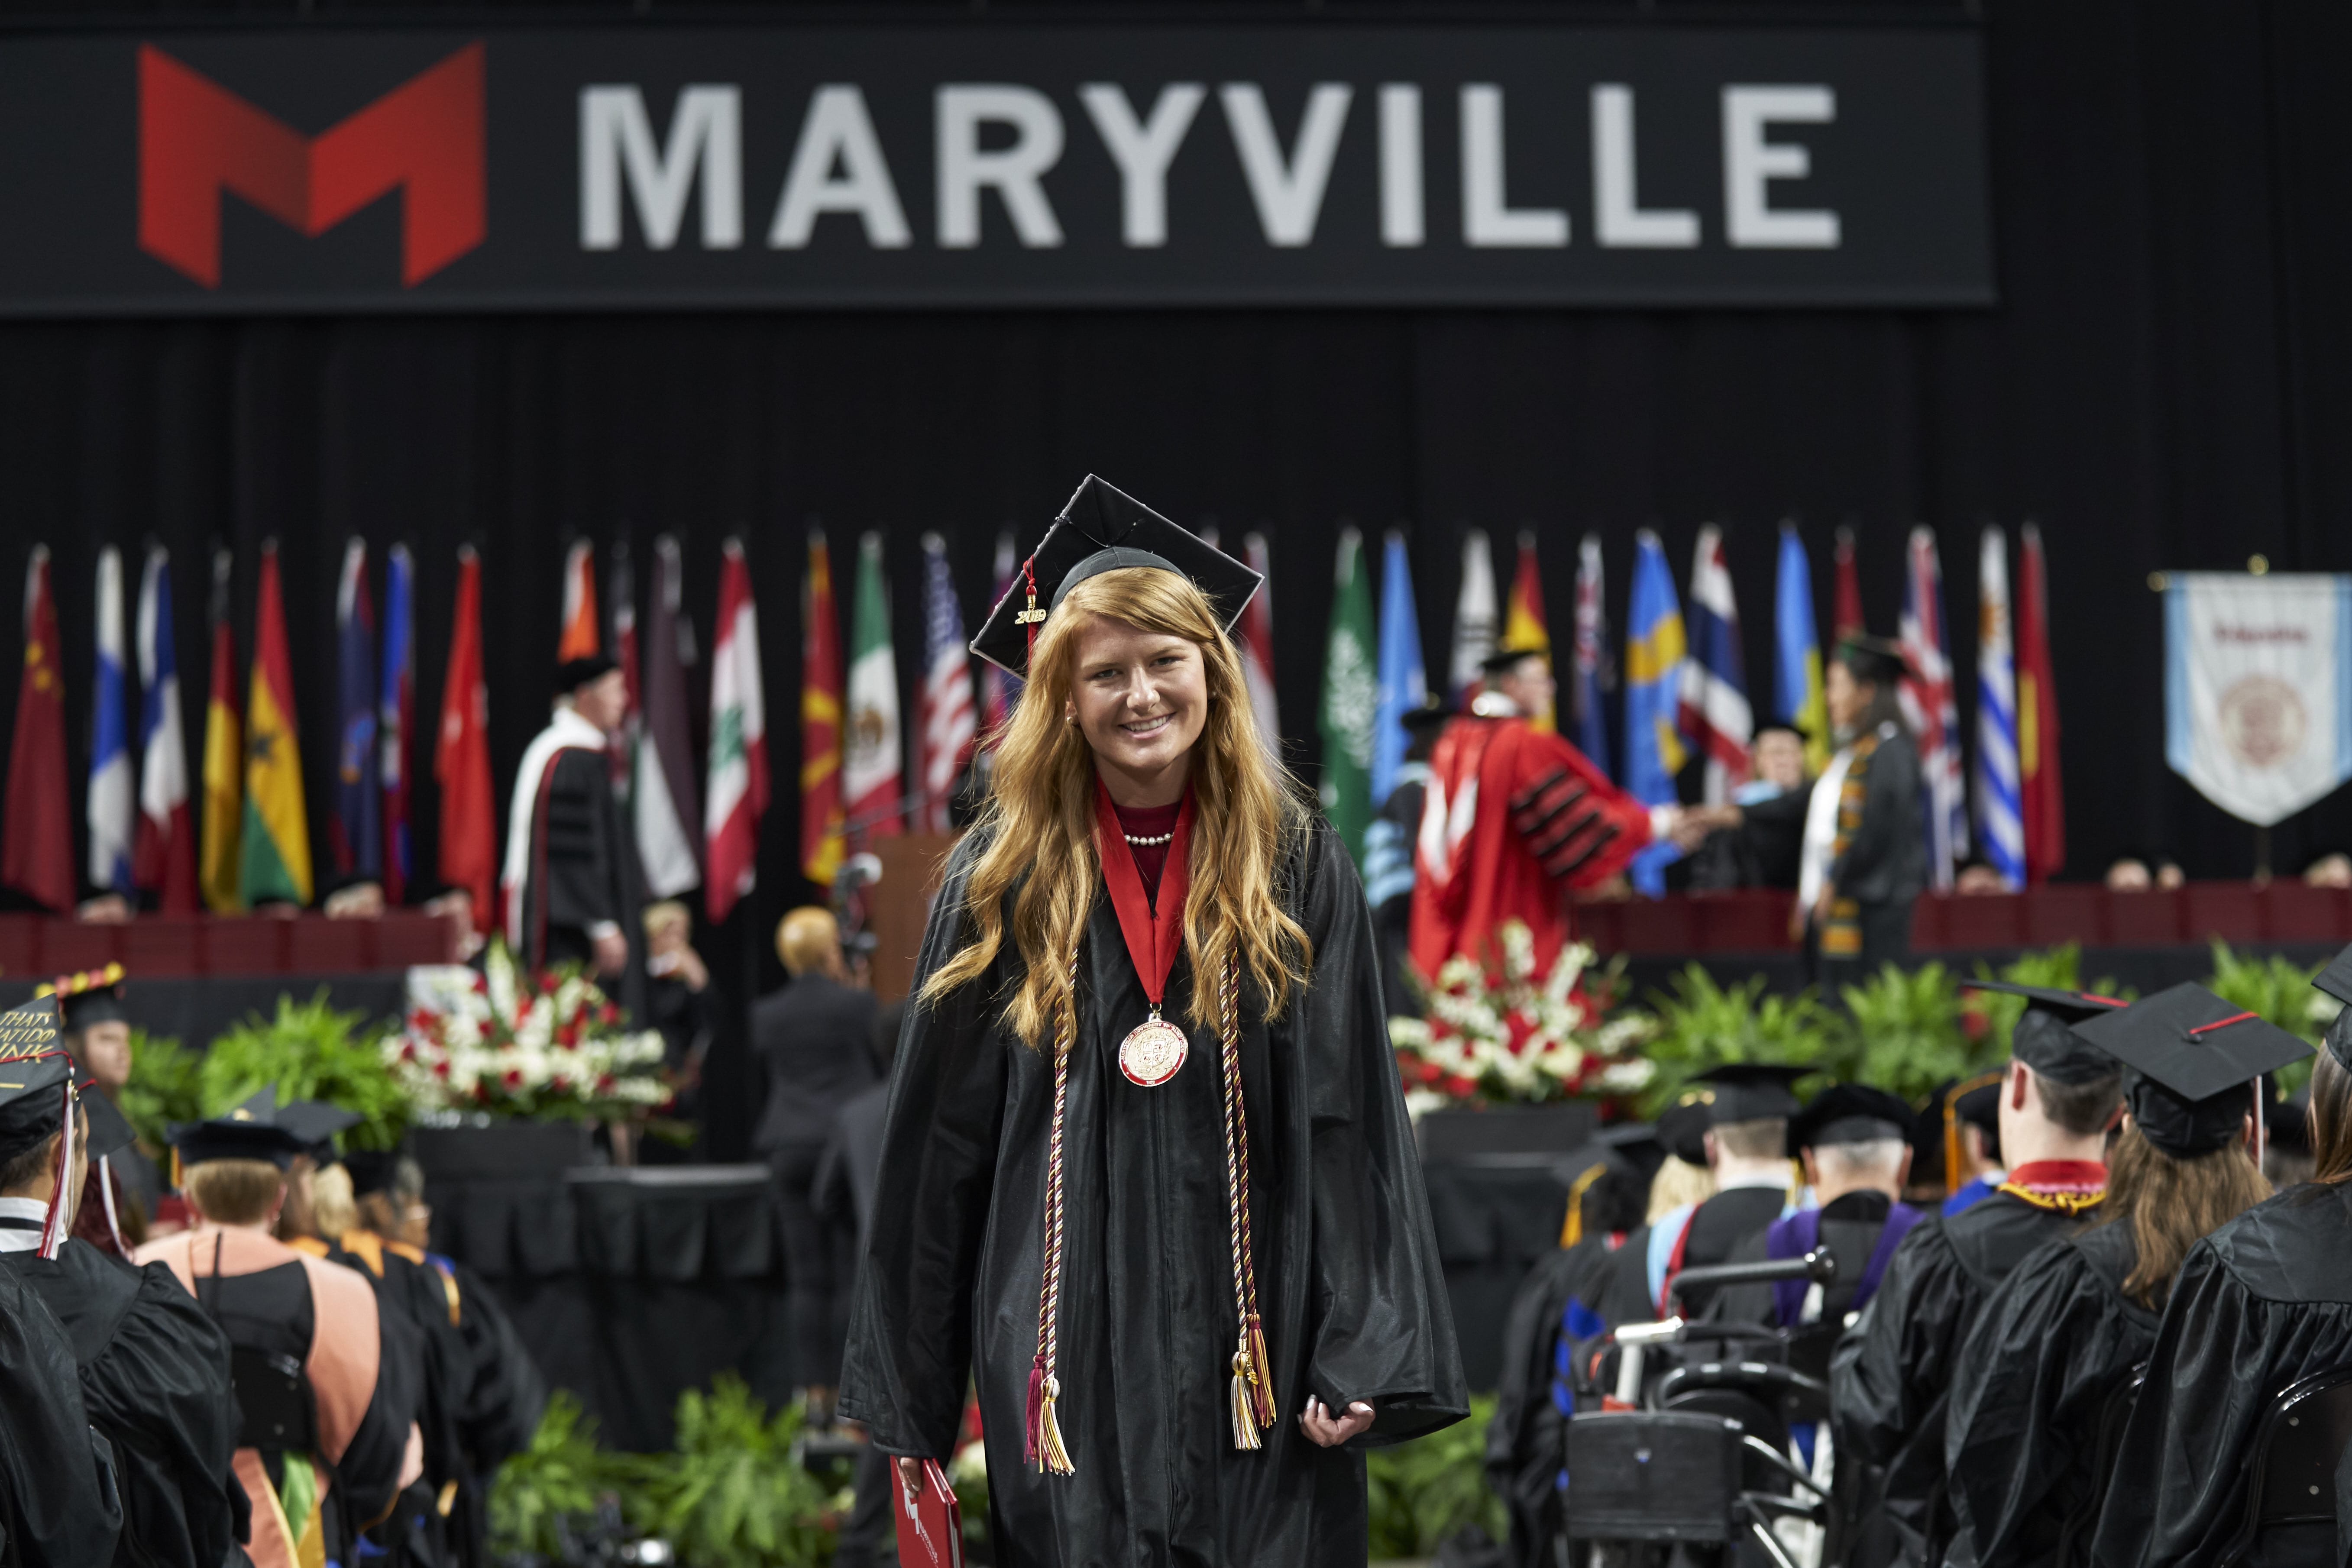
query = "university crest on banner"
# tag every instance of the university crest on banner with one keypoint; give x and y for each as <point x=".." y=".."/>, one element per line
<point x="2258" y="687"/>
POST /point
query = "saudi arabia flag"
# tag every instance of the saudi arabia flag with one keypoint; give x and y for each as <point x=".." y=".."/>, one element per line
<point x="869" y="772"/>
<point x="1350" y="695"/>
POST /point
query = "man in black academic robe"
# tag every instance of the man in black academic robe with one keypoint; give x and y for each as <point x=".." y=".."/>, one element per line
<point x="576" y="891"/>
<point x="1388" y="857"/>
<point x="1350" y="1294"/>
<point x="153" y="1370"/>
<point x="1749" y="1105"/>
<point x="1892" y="1373"/>
<point x="1757" y="839"/>
<point x="1864" y="861"/>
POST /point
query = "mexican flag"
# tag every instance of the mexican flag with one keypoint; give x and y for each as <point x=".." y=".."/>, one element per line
<point x="870" y="774"/>
<point x="274" y="853"/>
<point x="738" y="741"/>
<point x="1351" y="694"/>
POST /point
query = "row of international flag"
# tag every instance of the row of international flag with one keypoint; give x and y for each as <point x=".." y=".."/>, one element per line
<point x="246" y="840"/>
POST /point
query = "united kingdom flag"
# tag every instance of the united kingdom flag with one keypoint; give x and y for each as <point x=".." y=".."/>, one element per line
<point x="1928" y="709"/>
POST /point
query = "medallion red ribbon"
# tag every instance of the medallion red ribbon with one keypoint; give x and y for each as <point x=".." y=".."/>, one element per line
<point x="1154" y="929"/>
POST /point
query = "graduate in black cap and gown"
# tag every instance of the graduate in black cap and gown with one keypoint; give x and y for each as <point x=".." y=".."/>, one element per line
<point x="1891" y="1374"/>
<point x="574" y="891"/>
<point x="155" y="1370"/>
<point x="1863" y="861"/>
<point x="2262" y="1302"/>
<point x="1855" y="1145"/>
<point x="2037" y="1392"/>
<point x="96" y="1029"/>
<point x="307" y="1500"/>
<point x="1147" y="1175"/>
<point x="1749" y="1106"/>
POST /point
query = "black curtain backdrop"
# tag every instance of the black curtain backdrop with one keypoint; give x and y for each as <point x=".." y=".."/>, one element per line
<point x="2166" y="384"/>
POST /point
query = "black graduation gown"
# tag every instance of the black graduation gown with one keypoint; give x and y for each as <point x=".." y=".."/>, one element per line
<point x="2262" y="1303"/>
<point x="1717" y="1229"/>
<point x="59" y="1505"/>
<point x="1349" y="1291"/>
<point x="584" y="869"/>
<point x="1524" y="1440"/>
<point x="2053" y="1348"/>
<point x="154" y="1374"/>
<point x="1890" y="1376"/>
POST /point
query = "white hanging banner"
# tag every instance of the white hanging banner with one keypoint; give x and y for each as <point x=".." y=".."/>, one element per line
<point x="2258" y="687"/>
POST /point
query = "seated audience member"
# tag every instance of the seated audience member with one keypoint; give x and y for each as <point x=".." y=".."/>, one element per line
<point x="2332" y="869"/>
<point x="455" y="905"/>
<point x="1971" y="1123"/>
<point x="1680" y="1179"/>
<point x="354" y="898"/>
<point x="153" y="1370"/>
<point x="105" y="910"/>
<point x="680" y="1002"/>
<point x="354" y="1444"/>
<point x="2131" y="874"/>
<point x="1746" y="1149"/>
<point x="813" y="1038"/>
<point x="1976" y="877"/>
<point x="1855" y="1156"/>
<point x="1888" y="1382"/>
<point x="1757" y="839"/>
<point x="2050" y="1361"/>
<point x="2169" y="875"/>
<point x="2262" y="1303"/>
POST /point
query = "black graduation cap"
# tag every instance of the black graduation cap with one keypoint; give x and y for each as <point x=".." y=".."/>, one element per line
<point x="371" y="1170"/>
<point x="2337" y="981"/>
<point x="1871" y="658"/>
<point x="1503" y="660"/>
<point x="2287" y="1124"/>
<point x="1849" y="1113"/>
<point x="1638" y="1145"/>
<point x="316" y="1123"/>
<point x="2044" y="1039"/>
<point x="1103" y="528"/>
<point x="2188" y="1056"/>
<point x="1430" y="714"/>
<point x="32" y="1097"/>
<point x="248" y="1132"/>
<point x="92" y="996"/>
<point x="1682" y="1127"/>
<point x="575" y="673"/>
<point x="110" y="1131"/>
<point x="1752" y="1092"/>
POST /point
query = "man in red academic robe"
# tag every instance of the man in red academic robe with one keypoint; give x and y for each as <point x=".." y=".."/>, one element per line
<point x="1514" y="817"/>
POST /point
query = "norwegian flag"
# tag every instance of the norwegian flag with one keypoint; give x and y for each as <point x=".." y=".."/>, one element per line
<point x="1927" y="705"/>
<point x="948" y="722"/>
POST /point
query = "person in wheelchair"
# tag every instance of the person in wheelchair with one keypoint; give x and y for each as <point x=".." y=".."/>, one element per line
<point x="1851" y="1141"/>
<point x="2259" y="1306"/>
<point x="2046" y="1376"/>
<point x="1749" y="1106"/>
<point x="1888" y="1381"/>
<point x="326" y="1385"/>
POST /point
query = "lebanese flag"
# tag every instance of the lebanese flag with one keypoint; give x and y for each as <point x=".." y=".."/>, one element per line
<point x="36" y="857"/>
<point x="580" y="638"/>
<point x="663" y="795"/>
<point x="738" y="741"/>
<point x="1257" y="646"/>
<point x="164" y="857"/>
<point x="2042" y="795"/>
<point x="1848" y="587"/>
<point x="461" y="752"/>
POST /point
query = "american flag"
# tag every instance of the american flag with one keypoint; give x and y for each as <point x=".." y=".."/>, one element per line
<point x="1927" y="705"/>
<point x="949" y="725"/>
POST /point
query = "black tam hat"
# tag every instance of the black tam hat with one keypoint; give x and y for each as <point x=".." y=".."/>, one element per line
<point x="1103" y="528"/>
<point x="2044" y="1039"/>
<point x="2190" y="1059"/>
<point x="1752" y="1092"/>
<point x="253" y="1131"/>
<point x="575" y="673"/>
<point x="1849" y="1113"/>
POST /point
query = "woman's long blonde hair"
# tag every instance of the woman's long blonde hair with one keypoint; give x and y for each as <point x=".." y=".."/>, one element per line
<point x="1039" y="822"/>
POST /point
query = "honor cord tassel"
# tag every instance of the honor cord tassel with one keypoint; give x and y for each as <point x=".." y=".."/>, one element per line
<point x="1041" y="1443"/>
<point x="1253" y="1385"/>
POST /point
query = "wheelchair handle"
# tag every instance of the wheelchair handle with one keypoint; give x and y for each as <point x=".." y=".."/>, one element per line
<point x="1817" y="1265"/>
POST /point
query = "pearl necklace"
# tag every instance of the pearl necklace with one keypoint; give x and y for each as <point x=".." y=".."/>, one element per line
<point x="1148" y="840"/>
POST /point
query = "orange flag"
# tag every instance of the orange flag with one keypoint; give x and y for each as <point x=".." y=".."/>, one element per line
<point x="821" y="818"/>
<point x="580" y="638"/>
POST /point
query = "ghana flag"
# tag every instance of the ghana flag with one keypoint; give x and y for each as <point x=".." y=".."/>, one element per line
<point x="274" y="857"/>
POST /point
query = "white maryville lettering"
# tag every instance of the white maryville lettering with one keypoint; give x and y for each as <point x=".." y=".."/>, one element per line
<point x="1488" y="221"/>
<point x="1403" y="221"/>
<point x="1750" y="163"/>
<point x="1143" y="150"/>
<point x="1618" y="220"/>
<point x="1288" y="192"/>
<point x="616" y="137"/>
<point x="838" y="131"/>
<point x="1014" y="172"/>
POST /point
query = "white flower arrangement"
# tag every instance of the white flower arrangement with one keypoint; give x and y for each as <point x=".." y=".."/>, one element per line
<point x="1513" y="1033"/>
<point x="545" y="1048"/>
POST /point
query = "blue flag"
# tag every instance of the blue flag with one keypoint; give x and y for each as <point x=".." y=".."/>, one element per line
<point x="1404" y="685"/>
<point x="396" y="715"/>
<point x="1653" y="675"/>
<point x="1797" y="689"/>
<point x="357" y="846"/>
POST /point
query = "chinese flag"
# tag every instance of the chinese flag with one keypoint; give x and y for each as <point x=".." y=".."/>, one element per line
<point x="2041" y="794"/>
<point x="37" y="857"/>
<point x="461" y="752"/>
<point x="821" y="818"/>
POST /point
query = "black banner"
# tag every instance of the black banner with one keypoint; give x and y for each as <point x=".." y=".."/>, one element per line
<point x="993" y="164"/>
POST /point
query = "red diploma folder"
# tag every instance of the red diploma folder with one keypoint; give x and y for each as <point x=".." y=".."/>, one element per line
<point x="930" y="1526"/>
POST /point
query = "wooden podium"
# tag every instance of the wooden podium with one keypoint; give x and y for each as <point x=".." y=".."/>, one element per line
<point x="899" y="906"/>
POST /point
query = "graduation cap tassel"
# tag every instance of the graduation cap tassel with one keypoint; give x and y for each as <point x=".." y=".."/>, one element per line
<point x="1041" y="1443"/>
<point x="53" y="1224"/>
<point x="106" y="1194"/>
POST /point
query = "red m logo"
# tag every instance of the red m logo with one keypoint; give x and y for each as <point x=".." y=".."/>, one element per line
<point x="198" y="139"/>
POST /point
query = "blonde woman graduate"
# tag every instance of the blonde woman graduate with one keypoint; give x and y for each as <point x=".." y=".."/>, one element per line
<point x="1147" y="1177"/>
